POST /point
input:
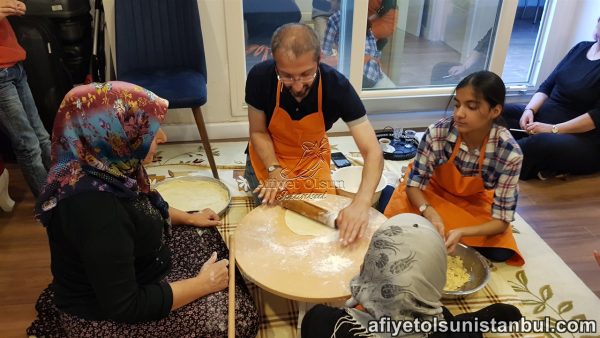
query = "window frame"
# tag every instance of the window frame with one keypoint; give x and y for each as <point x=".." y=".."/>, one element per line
<point x="422" y="99"/>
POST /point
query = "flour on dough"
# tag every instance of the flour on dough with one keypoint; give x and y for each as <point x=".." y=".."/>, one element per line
<point x="305" y="226"/>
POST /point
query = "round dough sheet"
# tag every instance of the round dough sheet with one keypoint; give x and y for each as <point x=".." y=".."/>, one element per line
<point x="305" y="226"/>
<point x="194" y="195"/>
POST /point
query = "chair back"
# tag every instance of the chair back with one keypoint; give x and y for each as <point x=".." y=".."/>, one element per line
<point x="158" y="34"/>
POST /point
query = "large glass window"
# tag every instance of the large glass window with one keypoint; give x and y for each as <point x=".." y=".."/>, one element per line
<point x="436" y="43"/>
<point x="408" y="44"/>
<point x="522" y="47"/>
<point x="261" y="19"/>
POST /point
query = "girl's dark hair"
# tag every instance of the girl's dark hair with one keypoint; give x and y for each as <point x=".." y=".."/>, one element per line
<point x="486" y="85"/>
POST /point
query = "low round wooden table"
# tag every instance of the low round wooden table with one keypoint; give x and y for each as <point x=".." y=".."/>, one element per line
<point x="304" y="268"/>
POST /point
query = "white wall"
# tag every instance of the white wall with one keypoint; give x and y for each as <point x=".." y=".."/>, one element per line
<point x="572" y="22"/>
<point x="586" y="17"/>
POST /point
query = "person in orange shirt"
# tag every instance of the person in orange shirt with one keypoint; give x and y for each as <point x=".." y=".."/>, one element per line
<point x="19" y="118"/>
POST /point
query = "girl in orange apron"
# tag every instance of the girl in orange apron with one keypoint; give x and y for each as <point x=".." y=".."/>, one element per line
<point x="470" y="209"/>
<point x="302" y="149"/>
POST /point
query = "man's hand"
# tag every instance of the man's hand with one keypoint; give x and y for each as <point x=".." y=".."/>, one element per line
<point x="205" y="218"/>
<point x="353" y="221"/>
<point x="11" y="7"/>
<point x="268" y="190"/>
<point x="453" y="239"/>
<point x="435" y="219"/>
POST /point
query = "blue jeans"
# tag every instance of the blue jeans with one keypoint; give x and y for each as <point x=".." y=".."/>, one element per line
<point x="20" y="121"/>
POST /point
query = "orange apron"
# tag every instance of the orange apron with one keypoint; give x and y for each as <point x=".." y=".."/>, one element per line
<point x="302" y="149"/>
<point x="460" y="201"/>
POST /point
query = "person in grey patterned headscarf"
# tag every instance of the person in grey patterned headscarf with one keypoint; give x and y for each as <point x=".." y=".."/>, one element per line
<point x="403" y="273"/>
<point x="402" y="277"/>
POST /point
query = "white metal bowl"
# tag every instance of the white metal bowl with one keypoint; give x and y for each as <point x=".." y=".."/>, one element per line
<point x="478" y="269"/>
<point x="347" y="181"/>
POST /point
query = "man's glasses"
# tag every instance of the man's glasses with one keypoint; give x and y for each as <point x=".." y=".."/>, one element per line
<point x="288" y="80"/>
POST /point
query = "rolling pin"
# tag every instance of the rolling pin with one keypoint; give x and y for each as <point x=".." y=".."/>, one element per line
<point x="231" y="304"/>
<point x="311" y="211"/>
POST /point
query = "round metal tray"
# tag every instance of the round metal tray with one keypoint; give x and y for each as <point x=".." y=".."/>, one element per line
<point x="195" y="178"/>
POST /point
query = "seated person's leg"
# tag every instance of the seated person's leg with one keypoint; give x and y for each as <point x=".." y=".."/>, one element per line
<point x="499" y="312"/>
<point x="385" y="197"/>
<point x="252" y="180"/>
<point x="559" y="154"/>
<point x="577" y="154"/>
<point x="495" y="254"/>
<point x="320" y="23"/>
<point x="321" y="321"/>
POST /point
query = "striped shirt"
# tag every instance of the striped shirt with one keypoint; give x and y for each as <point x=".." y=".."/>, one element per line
<point x="371" y="70"/>
<point x="501" y="165"/>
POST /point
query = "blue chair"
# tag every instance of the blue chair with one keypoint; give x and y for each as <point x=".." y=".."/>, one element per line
<point x="159" y="47"/>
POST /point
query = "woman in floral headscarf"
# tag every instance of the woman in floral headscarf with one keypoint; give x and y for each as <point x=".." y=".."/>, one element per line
<point x="402" y="277"/>
<point x="120" y="269"/>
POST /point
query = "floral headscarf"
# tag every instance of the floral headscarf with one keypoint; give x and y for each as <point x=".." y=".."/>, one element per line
<point x="102" y="133"/>
<point x="403" y="274"/>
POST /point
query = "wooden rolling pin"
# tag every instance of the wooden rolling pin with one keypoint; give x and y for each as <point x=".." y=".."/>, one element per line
<point x="311" y="210"/>
<point x="231" y="309"/>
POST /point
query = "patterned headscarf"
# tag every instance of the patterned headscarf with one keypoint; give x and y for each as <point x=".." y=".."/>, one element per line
<point x="102" y="133"/>
<point x="403" y="274"/>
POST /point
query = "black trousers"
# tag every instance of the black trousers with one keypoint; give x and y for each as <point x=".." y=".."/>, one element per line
<point x="320" y="321"/>
<point x="577" y="154"/>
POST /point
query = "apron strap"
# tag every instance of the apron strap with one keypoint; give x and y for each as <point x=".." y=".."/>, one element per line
<point x="481" y="152"/>
<point x="482" y="155"/>
<point x="279" y="90"/>
<point x="455" y="149"/>
<point x="320" y="95"/>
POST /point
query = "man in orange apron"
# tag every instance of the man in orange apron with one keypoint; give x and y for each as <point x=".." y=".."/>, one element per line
<point x="292" y="101"/>
<point x="469" y="193"/>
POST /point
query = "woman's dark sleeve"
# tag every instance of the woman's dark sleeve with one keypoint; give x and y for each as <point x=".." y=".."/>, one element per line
<point x="104" y="235"/>
<point x="547" y="86"/>
<point x="595" y="114"/>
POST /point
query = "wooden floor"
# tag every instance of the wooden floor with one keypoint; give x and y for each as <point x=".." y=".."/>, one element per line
<point x="564" y="213"/>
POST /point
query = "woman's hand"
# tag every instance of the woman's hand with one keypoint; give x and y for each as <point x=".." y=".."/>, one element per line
<point x="538" y="128"/>
<point x="214" y="275"/>
<point x="268" y="191"/>
<point x="453" y="239"/>
<point x="204" y="218"/>
<point x="526" y="118"/>
<point x="435" y="219"/>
